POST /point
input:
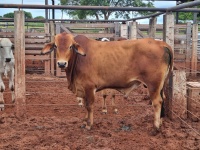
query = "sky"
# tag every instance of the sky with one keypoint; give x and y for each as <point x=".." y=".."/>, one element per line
<point x="40" y="12"/>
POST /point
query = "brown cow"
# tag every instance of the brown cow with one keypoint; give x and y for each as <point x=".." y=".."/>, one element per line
<point x="119" y="65"/>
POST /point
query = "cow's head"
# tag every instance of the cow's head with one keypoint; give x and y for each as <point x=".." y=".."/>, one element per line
<point x="6" y="49"/>
<point x="64" y="44"/>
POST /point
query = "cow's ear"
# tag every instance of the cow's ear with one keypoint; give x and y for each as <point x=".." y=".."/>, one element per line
<point x="48" y="48"/>
<point x="79" y="49"/>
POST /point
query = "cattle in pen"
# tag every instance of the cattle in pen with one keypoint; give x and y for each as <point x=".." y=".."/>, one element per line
<point x="120" y="65"/>
<point x="6" y="68"/>
<point x="104" y="93"/>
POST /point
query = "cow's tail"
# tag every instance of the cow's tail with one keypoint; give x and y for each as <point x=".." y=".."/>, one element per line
<point x="169" y="51"/>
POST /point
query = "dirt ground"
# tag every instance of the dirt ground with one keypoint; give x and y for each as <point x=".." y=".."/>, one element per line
<point x="53" y="121"/>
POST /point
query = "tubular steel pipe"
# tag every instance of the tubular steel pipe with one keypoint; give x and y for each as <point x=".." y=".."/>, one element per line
<point x="62" y="20"/>
<point x="175" y="8"/>
<point x="178" y="8"/>
<point x="184" y="5"/>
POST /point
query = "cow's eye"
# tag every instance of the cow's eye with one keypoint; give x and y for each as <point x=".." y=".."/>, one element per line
<point x="71" y="47"/>
<point x="1" y="46"/>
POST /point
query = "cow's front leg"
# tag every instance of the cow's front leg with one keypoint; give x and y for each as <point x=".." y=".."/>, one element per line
<point x="2" y="88"/>
<point x="89" y="101"/>
<point x="11" y="85"/>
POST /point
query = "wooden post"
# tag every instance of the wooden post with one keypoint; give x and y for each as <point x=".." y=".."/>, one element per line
<point x="194" y="50"/>
<point x="52" y="32"/>
<point x="193" y="100"/>
<point x="133" y="30"/>
<point x="188" y="47"/>
<point x="124" y="30"/>
<point x="168" y="25"/>
<point x="168" y="37"/>
<point x="117" y="30"/>
<point x="47" y="62"/>
<point x="19" y="41"/>
<point x="152" y="27"/>
<point x="58" y="70"/>
<point x="179" y="101"/>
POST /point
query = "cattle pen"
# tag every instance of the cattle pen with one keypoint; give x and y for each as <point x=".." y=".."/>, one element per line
<point x="43" y="89"/>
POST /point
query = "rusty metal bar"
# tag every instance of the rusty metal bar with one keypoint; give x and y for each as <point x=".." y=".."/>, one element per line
<point x="176" y="8"/>
<point x="62" y="20"/>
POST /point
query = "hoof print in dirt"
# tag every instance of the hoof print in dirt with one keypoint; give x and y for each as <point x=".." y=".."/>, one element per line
<point x="126" y="128"/>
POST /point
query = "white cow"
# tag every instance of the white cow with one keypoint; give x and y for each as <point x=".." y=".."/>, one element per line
<point x="7" y="62"/>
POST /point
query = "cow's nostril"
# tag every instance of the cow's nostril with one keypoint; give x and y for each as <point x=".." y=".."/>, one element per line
<point x="62" y="64"/>
<point x="8" y="59"/>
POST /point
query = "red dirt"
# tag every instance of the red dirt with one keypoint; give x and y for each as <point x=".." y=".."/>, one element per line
<point x="53" y="121"/>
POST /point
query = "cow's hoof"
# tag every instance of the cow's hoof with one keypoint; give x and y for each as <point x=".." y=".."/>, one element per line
<point x="83" y="125"/>
<point x="88" y="127"/>
<point x="13" y="101"/>
<point x="80" y="104"/>
<point x="104" y="111"/>
<point x="116" y="111"/>
<point x="154" y="131"/>
<point x="2" y="107"/>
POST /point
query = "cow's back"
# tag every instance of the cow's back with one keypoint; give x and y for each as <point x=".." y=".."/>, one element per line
<point x="117" y="63"/>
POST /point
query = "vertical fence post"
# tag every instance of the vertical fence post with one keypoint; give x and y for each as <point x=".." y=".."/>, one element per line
<point x="152" y="27"/>
<point x="117" y="30"/>
<point x="194" y="49"/>
<point x="124" y="30"/>
<point x="47" y="62"/>
<point x="168" y="37"/>
<point x="52" y="32"/>
<point x="19" y="41"/>
<point x="58" y="70"/>
<point x="188" y="47"/>
<point x="133" y="30"/>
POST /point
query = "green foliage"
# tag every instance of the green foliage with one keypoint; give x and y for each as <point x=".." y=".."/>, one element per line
<point x="185" y="16"/>
<point x="9" y="15"/>
<point x="28" y="15"/>
<point x="39" y="17"/>
<point x="83" y="14"/>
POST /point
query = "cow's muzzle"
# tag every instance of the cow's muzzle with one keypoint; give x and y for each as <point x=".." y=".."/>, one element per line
<point x="62" y="64"/>
<point x="8" y="59"/>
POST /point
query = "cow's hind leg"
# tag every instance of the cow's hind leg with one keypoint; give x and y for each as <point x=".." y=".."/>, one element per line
<point x="115" y="110"/>
<point x="80" y="101"/>
<point x="155" y="95"/>
<point x="104" y="107"/>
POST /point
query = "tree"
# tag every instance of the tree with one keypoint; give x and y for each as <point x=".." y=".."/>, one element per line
<point x="185" y="16"/>
<point x="28" y="15"/>
<point x="83" y="14"/>
<point x="9" y="15"/>
<point x="39" y="17"/>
